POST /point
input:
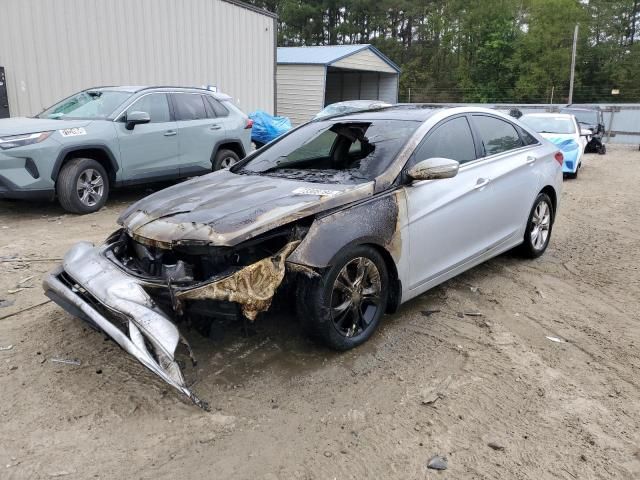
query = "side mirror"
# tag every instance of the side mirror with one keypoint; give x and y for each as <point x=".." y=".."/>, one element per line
<point x="433" y="169"/>
<point x="136" y="118"/>
<point x="585" y="133"/>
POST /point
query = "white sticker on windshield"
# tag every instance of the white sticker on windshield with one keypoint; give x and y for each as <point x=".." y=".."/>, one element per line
<point x="73" y="132"/>
<point x="315" y="191"/>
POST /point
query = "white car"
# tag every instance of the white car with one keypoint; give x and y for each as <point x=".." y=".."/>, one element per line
<point x="564" y="130"/>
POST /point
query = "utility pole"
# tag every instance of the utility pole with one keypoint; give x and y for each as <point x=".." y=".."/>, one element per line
<point x="573" y="63"/>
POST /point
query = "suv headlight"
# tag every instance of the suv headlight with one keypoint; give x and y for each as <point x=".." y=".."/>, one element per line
<point x="21" y="140"/>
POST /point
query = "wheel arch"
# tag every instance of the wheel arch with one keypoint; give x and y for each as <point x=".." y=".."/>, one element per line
<point x="549" y="190"/>
<point x="235" y="145"/>
<point x="373" y="223"/>
<point x="395" y="285"/>
<point x="100" y="153"/>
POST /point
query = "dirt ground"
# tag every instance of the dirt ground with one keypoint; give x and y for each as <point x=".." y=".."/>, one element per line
<point x="429" y="382"/>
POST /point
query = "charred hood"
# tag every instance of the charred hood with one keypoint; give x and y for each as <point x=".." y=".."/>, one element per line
<point x="225" y="209"/>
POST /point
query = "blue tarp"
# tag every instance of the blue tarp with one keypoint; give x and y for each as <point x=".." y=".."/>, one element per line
<point x="267" y="127"/>
<point x="570" y="150"/>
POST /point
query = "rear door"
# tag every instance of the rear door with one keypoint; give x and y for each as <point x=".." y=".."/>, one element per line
<point x="511" y="164"/>
<point x="149" y="150"/>
<point x="199" y="131"/>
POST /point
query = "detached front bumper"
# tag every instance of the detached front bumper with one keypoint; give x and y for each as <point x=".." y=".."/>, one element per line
<point x="91" y="287"/>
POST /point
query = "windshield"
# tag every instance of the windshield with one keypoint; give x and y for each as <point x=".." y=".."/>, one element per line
<point x="585" y="117"/>
<point x="89" y="105"/>
<point x="549" y="124"/>
<point x="334" y="151"/>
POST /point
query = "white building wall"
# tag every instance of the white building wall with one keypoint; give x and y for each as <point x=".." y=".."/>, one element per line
<point x="53" y="48"/>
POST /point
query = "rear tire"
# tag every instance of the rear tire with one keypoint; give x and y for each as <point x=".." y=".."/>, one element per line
<point x="343" y="307"/>
<point x="539" y="225"/>
<point x="603" y="149"/>
<point x="225" y="159"/>
<point x="82" y="186"/>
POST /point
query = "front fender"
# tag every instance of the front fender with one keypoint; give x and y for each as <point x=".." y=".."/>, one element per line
<point x="373" y="221"/>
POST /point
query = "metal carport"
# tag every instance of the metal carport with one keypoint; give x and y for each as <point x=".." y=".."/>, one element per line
<point x="309" y="78"/>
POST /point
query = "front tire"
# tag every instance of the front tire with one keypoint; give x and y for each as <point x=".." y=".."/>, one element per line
<point x="82" y="186"/>
<point x="343" y="307"/>
<point x="539" y="225"/>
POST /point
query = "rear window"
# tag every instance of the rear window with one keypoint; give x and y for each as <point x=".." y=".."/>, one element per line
<point x="334" y="151"/>
<point x="549" y="124"/>
<point x="215" y="106"/>
<point x="586" y="117"/>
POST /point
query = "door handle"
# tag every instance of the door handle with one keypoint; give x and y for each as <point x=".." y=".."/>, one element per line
<point x="481" y="183"/>
<point x="215" y="127"/>
<point x="170" y="133"/>
<point x="531" y="160"/>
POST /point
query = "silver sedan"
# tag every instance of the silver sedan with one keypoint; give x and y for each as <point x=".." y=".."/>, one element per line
<point x="355" y="214"/>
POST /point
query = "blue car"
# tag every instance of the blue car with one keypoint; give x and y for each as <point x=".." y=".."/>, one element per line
<point x="563" y="130"/>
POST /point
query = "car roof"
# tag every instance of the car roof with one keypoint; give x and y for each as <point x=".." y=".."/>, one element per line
<point x="140" y="88"/>
<point x="548" y="115"/>
<point x="418" y="112"/>
<point x="415" y="112"/>
<point x="581" y="109"/>
<point x="119" y="88"/>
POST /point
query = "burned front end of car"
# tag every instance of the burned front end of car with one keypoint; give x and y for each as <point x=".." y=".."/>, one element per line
<point x="222" y="244"/>
<point x="138" y="291"/>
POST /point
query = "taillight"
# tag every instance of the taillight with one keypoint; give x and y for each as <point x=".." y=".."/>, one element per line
<point x="559" y="157"/>
<point x="249" y="124"/>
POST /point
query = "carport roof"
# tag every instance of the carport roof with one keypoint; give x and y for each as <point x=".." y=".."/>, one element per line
<point x="326" y="54"/>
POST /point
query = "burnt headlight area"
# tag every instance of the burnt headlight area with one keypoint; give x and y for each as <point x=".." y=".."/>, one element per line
<point x="188" y="263"/>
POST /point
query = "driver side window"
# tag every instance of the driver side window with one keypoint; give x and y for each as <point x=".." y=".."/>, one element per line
<point x="155" y="104"/>
<point x="451" y="140"/>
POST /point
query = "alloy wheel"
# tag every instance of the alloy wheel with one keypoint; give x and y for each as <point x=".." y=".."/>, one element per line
<point x="540" y="225"/>
<point x="228" y="162"/>
<point x="90" y="187"/>
<point x="356" y="297"/>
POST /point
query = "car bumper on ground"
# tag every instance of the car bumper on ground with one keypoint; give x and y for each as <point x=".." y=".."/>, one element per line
<point x="91" y="287"/>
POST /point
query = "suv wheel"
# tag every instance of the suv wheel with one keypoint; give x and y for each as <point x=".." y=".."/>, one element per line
<point x="225" y="159"/>
<point x="343" y="307"/>
<point x="82" y="186"/>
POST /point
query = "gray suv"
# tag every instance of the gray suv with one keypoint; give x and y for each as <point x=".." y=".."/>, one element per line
<point x="106" y="137"/>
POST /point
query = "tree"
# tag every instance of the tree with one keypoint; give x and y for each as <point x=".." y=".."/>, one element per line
<point x="489" y="51"/>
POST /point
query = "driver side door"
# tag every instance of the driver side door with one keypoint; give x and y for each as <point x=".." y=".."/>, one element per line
<point x="447" y="217"/>
<point x="149" y="151"/>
